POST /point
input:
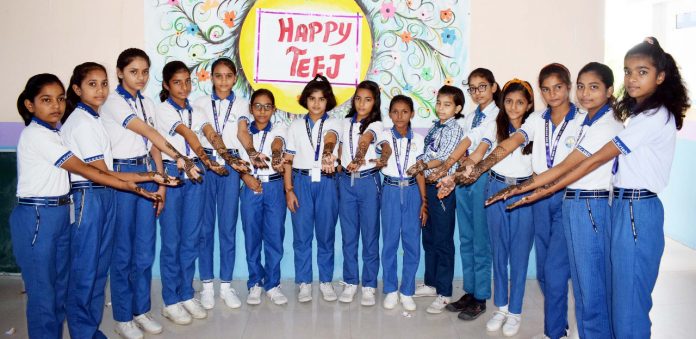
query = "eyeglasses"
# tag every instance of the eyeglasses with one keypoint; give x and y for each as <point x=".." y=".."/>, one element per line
<point x="266" y="107"/>
<point x="479" y="88"/>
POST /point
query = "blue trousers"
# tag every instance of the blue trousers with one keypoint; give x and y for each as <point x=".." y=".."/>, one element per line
<point x="553" y="268"/>
<point x="135" y="236"/>
<point x="91" y="245"/>
<point x="317" y="215"/>
<point x="221" y="196"/>
<point x="635" y="263"/>
<point x="512" y="235"/>
<point x="263" y="222"/>
<point x="587" y="225"/>
<point x="474" y="242"/>
<point x="180" y="226"/>
<point x="41" y="245"/>
<point x="438" y="242"/>
<point x="400" y="221"/>
<point x="358" y="210"/>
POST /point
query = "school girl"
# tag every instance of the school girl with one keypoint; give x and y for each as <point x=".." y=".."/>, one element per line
<point x="224" y="110"/>
<point x="404" y="207"/>
<point x="263" y="221"/>
<point x="181" y="218"/>
<point x="554" y="133"/>
<point x="40" y="223"/>
<point x="653" y="103"/>
<point x="438" y="242"/>
<point x="311" y="189"/>
<point x="359" y="194"/>
<point x="586" y="214"/>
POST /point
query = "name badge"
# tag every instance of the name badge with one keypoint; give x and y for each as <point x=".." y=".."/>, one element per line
<point x="403" y="183"/>
<point x="510" y="181"/>
<point x="316" y="174"/>
<point x="263" y="178"/>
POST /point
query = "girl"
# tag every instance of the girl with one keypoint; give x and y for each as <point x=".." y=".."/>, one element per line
<point x="555" y="131"/>
<point x="181" y="218"/>
<point x="40" y="222"/>
<point x="511" y="232"/>
<point x="585" y="207"/>
<point x="224" y="110"/>
<point x="262" y="219"/>
<point x="405" y="218"/>
<point x="655" y="100"/>
<point x="359" y="191"/>
<point x="438" y="234"/>
<point x="310" y="187"/>
<point x="92" y="233"/>
<point x="129" y="120"/>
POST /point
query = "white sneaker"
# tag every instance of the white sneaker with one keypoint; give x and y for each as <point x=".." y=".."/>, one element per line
<point x="193" y="306"/>
<point x="512" y="324"/>
<point x="229" y="295"/>
<point x="147" y="324"/>
<point x="390" y="300"/>
<point x="327" y="291"/>
<point x="128" y="330"/>
<point x="276" y="295"/>
<point x="254" y="297"/>
<point x="177" y="314"/>
<point x="348" y="293"/>
<point x="438" y="304"/>
<point x="305" y="293"/>
<point x="423" y="290"/>
<point x="208" y="296"/>
<point x="497" y="321"/>
<point x="407" y="303"/>
<point x="368" y="296"/>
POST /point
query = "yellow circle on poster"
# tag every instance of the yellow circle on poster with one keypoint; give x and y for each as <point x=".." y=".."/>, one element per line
<point x="283" y="42"/>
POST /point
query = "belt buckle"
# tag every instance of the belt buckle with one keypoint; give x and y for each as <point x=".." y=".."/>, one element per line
<point x="510" y="181"/>
<point x="403" y="183"/>
<point x="355" y="175"/>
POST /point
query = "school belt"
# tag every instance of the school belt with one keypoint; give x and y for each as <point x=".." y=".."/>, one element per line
<point x="85" y="184"/>
<point x="230" y="151"/>
<point x="362" y="174"/>
<point x="508" y="180"/>
<point x="272" y="177"/>
<point x="309" y="172"/>
<point x="394" y="181"/>
<point x="45" y="201"/>
<point x="137" y="161"/>
<point x="585" y="194"/>
<point x="172" y="162"/>
<point x="633" y="194"/>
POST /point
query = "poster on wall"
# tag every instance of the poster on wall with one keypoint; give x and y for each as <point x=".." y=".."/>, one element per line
<point x="408" y="47"/>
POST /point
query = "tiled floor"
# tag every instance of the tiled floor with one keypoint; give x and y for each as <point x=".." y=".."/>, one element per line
<point x="674" y="298"/>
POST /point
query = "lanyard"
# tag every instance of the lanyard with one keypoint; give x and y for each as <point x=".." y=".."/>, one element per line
<point x="551" y="152"/>
<point x="215" y="115"/>
<point x="350" y="140"/>
<point x="396" y="153"/>
<point x="309" y="134"/>
<point x="135" y="112"/>
<point x="190" y="123"/>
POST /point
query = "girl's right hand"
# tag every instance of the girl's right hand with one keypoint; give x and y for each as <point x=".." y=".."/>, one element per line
<point x="145" y="193"/>
<point x="217" y="168"/>
<point x="258" y="159"/>
<point x="436" y="174"/>
<point x="192" y="171"/>
<point x="165" y="179"/>
<point x="416" y="168"/>
<point x="253" y="183"/>
<point x="355" y="165"/>
<point x="291" y="201"/>
<point x="445" y="187"/>
<point x="504" y="194"/>
<point x="424" y="213"/>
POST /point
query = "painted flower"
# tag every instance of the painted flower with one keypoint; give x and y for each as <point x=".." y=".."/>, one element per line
<point x="448" y="36"/>
<point x="406" y="37"/>
<point x="214" y="35"/>
<point x="409" y="3"/>
<point x="229" y="18"/>
<point x="192" y="29"/>
<point x="396" y="57"/>
<point x="449" y="81"/>
<point x="407" y="87"/>
<point x="179" y="33"/>
<point x="203" y="75"/>
<point x="424" y="14"/>
<point x="375" y="71"/>
<point x="210" y="4"/>
<point x="446" y="15"/>
<point x="387" y="10"/>
<point x="173" y="2"/>
<point x="427" y="74"/>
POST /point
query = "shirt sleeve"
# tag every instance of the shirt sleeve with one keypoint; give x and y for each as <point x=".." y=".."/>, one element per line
<point x="375" y="128"/>
<point x="527" y="129"/>
<point x="290" y="142"/>
<point x="120" y="113"/>
<point x="596" y="137"/>
<point x="86" y="143"/>
<point x="641" y="131"/>
<point x="167" y="120"/>
<point x="52" y="152"/>
<point x="280" y="132"/>
<point x="333" y="125"/>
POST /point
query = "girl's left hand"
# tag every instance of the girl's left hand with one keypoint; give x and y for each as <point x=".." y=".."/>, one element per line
<point x="445" y="187"/>
<point x="253" y="183"/>
<point x="379" y="163"/>
<point x="159" y="204"/>
<point x="327" y="162"/>
<point x="165" y="179"/>
<point x="217" y="168"/>
<point x="416" y="168"/>
<point x="436" y="174"/>
<point x="355" y="165"/>
<point x="423" y="213"/>
<point x="239" y="165"/>
<point x="537" y="194"/>
<point x="145" y="193"/>
<point x="504" y="194"/>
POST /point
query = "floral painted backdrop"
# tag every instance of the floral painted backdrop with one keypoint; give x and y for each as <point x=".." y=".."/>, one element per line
<point x="418" y="46"/>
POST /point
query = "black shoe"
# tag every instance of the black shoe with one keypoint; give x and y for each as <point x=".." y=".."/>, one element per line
<point x="460" y="304"/>
<point x="473" y="311"/>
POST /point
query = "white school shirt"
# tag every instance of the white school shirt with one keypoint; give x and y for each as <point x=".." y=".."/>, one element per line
<point x="117" y="112"/>
<point x="299" y="144"/>
<point x="399" y="144"/>
<point x="647" y="150"/>
<point x="271" y="132"/>
<point x="470" y="123"/>
<point x="169" y="116"/>
<point x="347" y="154"/>
<point x="40" y="153"/>
<point x="534" y="129"/>
<point x="84" y="134"/>
<point x="227" y="124"/>
<point x="594" y="134"/>
<point x="516" y="164"/>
